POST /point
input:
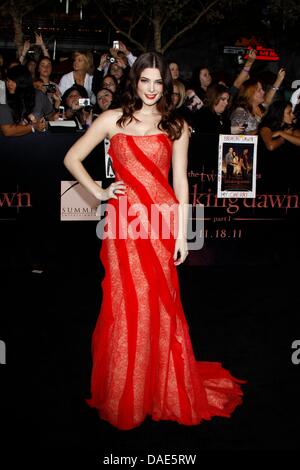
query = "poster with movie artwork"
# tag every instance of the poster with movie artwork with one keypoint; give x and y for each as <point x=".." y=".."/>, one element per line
<point x="237" y="166"/>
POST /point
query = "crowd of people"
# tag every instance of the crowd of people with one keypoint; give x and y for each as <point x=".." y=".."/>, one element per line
<point x="30" y="97"/>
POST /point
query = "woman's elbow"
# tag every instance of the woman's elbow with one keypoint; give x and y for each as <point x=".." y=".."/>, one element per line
<point x="273" y="145"/>
<point x="67" y="161"/>
<point x="270" y="147"/>
<point x="5" y="131"/>
<point x="70" y="160"/>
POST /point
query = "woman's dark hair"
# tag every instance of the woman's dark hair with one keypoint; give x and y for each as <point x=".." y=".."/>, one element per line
<point x="39" y="63"/>
<point x="195" y="81"/>
<point x="108" y="76"/>
<point x="297" y="116"/>
<point x="81" y="90"/>
<point x="117" y="94"/>
<point x="22" y="101"/>
<point x="273" y="119"/>
<point x="214" y="93"/>
<point x="113" y="105"/>
<point x="131" y="102"/>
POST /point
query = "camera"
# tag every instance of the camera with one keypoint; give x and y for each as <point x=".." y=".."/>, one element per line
<point x="61" y="113"/>
<point x="110" y="59"/>
<point x="83" y="102"/>
<point x="50" y="88"/>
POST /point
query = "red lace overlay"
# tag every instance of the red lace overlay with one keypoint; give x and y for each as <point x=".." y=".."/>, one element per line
<point x="143" y="361"/>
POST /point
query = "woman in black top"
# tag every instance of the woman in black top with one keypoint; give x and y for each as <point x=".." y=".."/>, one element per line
<point x="212" y="118"/>
<point x="26" y="108"/>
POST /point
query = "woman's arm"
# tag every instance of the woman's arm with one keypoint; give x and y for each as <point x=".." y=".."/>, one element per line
<point x="15" y="130"/>
<point x="181" y="190"/>
<point x="40" y="42"/>
<point x="100" y="129"/>
<point x="293" y="138"/>
<point x="244" y="73"/>
<point x="276" y="85"/>
<point x="25" y="49"/>
<point x="267" y="136"/>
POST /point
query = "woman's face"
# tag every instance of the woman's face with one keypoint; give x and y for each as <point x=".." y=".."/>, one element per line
<point x="150" y="86"/>
<point x="73" y="98"/>
<point x="175" y="96"/>
<point x="259" y="94"/>
<point x="288" y="116"/>
<point x="11" y="86"/>
<point x="116" y="71"/>
<point x="205" y="78"/>
<point x="45" y="68"/>
<point x="104" y="99"/>
<point x="109" y="84"/>
<point x="80" y="63"/>
<point x="31" y="65"/>
<point x="222" y="104"/>
<point x="174" y="69"/>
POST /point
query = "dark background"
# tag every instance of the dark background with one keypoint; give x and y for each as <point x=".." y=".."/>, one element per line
<point x="241" y="303"/>
<point x="203" y="44"/>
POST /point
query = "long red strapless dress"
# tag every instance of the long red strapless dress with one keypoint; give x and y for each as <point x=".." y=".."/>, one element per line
<point x="143" y="361"/>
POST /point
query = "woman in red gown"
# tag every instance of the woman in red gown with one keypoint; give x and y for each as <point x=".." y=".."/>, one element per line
<point x="143" y="361"/>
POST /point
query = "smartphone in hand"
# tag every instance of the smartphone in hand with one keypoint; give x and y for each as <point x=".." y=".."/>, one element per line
<point x="61" y="113"/>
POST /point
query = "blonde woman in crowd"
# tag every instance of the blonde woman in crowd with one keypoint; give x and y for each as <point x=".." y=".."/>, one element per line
<point x="82" y="74"/>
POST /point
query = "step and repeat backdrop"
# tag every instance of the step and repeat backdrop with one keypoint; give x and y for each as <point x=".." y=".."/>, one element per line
<point x="44" y="213"/>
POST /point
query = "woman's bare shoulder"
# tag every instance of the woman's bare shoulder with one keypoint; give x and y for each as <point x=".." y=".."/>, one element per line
<point x="111" y="115"/>
<point x="108" y="119"/>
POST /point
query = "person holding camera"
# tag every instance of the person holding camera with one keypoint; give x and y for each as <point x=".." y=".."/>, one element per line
<point x="50" y="88"/>
<point x="116" y="63"/>
<point x="77" y="106"/>
<point x="27" y="45"/>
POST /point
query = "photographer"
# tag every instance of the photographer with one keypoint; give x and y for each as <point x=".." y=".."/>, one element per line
<point x="29" y="57"/>
<point x="74" y="110"/>
<point x="27" y="45"/>
<point x="117" y="63"/>
<point x="50" y="88"/>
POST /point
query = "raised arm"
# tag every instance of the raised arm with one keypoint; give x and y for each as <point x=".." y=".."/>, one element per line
<point x="130" y="57"/>
<point x="276" y="85"/>
<point x="40" y="42"/>
<point x="25" y="49"/>
<point x="181" y="190"/>
<point x="100" y="129"/>
<point x="245" y="72"/>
